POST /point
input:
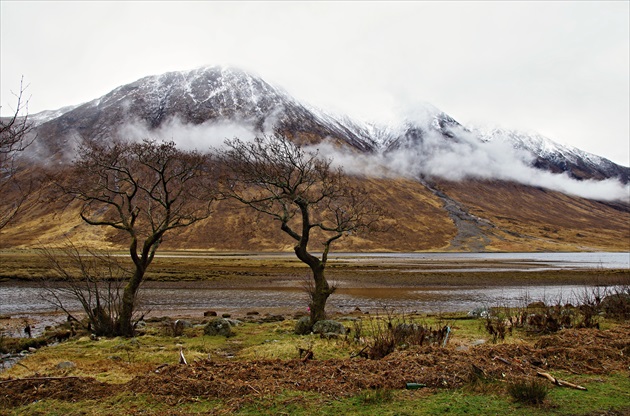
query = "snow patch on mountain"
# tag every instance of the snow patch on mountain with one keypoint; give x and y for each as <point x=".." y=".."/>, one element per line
<point x="47" y="115"/>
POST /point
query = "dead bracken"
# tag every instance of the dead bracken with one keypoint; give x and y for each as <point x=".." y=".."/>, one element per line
<point x="582" y="351"/>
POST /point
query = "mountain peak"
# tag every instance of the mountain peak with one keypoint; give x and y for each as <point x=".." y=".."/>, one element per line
<point x="223" y="94"/>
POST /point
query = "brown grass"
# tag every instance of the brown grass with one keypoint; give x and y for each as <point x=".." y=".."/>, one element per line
<point x="520" y="218"/>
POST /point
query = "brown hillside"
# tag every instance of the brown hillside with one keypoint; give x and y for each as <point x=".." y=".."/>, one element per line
<point x="466" y="216"/>
<point x="525" y="218"/>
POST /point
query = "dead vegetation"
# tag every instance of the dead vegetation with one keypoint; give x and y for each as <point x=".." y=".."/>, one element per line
<point x="576" y="351"/>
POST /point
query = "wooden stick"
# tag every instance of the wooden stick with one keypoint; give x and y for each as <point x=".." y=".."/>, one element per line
<point x="503" y="360"/>
<point x="559" y="382"/>
<point x="182" y="359"/>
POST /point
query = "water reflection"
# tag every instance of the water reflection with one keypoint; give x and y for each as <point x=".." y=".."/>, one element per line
<point x="171" y="299"/>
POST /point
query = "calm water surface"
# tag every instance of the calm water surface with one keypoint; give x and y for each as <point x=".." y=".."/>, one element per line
<point x="25" y="298"/>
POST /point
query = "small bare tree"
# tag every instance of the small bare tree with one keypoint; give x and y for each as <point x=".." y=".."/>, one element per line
<point x="94" y="279"/>
<point x="304" y="194"/>
<point x="144" y="190"/>
<point x="14" y="139"/>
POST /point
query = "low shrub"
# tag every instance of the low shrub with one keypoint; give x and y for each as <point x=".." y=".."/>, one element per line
<point x="385" y="336"/>
<point x="531" y="392"/>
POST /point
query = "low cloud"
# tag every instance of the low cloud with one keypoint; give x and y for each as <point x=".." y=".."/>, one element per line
<point x="191" y="136"/>
<point x="467" y="157"/>
<point x="431" y="156"/>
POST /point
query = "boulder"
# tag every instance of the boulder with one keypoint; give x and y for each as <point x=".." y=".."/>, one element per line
<point x="219" y="326"/>
<point x="327" y="326"/>
<point x="272" y="318"/>
<point x="303" y="326"/>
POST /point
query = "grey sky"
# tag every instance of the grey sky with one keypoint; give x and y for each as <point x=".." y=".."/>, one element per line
<point x="558" y="68"/>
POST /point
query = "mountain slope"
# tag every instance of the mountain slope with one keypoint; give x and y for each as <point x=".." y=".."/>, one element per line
<point x="447" y="216"/>
<point x="444" y="186"/>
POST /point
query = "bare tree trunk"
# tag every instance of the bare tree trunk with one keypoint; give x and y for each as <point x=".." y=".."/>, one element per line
<point x="125" y="324"/>
<point x="321" y="292"/>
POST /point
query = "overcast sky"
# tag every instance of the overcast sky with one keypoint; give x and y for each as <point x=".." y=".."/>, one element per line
<point x="557" y="68"/>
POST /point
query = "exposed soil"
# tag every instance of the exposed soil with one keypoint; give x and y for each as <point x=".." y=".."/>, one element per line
<point x="583" y="352"/>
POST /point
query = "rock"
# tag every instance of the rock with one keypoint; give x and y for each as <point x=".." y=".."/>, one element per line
<point x="252" y="313"/>
<point x="303" y="326"/>
<point x="226" y="315"/>
<point x="219" y="326"/>
<point x="233" y="322"/>
<point x="327" y="326"/>
<point x="272" y="318"/>
<point x="479" y="313"/>
<point x="182" y="323"/>
<point x="66" y="364"/>
<point x="209" y="313"/>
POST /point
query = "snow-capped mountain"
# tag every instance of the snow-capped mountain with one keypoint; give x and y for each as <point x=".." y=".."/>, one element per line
<point x="445" y="186"/>
<point x="220" y="94"/>
<point x="555" y="157"/>
<point x="214" y="94"/>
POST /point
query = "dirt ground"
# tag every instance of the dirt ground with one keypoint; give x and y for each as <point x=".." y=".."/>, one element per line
<point x="583" y="351"/>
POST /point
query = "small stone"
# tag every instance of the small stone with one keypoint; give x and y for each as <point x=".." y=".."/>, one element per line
<point x="210" y="313"/>
<point x="66" y="364"/>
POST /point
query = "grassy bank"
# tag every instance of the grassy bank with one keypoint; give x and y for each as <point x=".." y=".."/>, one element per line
<point x="260" y="370"/>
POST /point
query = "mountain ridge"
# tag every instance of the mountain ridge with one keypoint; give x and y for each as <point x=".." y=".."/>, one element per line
<point x="215" y="94"/>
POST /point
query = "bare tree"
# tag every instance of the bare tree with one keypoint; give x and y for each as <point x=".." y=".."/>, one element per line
<point x="307" y="197"/>
<point x="143" y="190"/>
<point x="94" y="279"/>
<point x="14" y="139"/>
